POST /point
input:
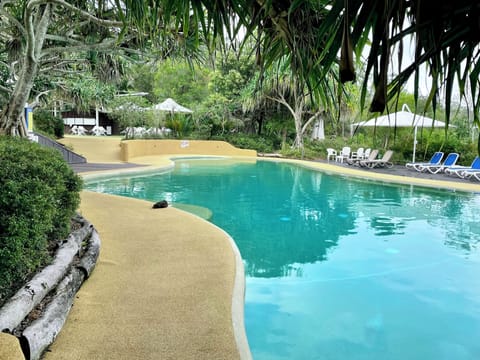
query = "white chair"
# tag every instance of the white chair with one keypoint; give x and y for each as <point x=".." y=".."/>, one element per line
<point x="331" y="154"/>
<point x="359" y="154"/>
<point x="99" y="131"/>
<point x="383" y="162"/>
<point x="81" y="130"/>
<point x="344" y="154"/>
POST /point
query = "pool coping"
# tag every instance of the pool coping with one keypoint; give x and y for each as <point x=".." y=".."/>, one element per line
<point x="164" y="163"/>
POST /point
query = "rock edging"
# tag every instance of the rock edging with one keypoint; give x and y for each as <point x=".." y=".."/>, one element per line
<point x="51" y="293"/>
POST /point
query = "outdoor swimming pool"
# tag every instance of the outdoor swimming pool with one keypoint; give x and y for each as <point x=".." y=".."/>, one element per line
<point x="338" y="268"/>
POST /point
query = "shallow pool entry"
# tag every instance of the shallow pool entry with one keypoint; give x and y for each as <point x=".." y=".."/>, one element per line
<point x="338" y="268"/>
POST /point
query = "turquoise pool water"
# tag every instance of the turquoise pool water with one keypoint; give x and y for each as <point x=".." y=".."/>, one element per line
<point x="338" y="268"/>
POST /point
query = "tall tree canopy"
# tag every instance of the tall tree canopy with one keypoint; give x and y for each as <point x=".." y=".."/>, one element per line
<point x="46" y="36"/>
<point x="312" y="34"/>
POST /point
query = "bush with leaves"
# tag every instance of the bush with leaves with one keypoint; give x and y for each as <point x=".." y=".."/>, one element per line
<point x="131" y="111"/>
<point x="45" y="122"/>
<point x="250" y="141"/>
<point x="39" y="193"/>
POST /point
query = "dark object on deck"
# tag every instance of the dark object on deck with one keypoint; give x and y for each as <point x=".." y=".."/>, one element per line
<point x="160" y="205"/>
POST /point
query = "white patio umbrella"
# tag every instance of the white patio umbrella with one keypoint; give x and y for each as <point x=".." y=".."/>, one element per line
<point x="171" y="106"/>
<point x="404" y="118"/>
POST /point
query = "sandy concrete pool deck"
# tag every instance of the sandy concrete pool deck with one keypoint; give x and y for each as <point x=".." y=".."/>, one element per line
<point x="168" y="285"/>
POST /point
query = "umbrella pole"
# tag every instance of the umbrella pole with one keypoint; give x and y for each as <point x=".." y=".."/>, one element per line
<point x="414" y="144"/>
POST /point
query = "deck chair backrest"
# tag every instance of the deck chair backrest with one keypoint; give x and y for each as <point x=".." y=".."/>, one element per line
<point x="476" y="163"/>
<point x="451" y="159"/>
<point x="331" y="154"/>
<point x="387" y="156"/>
<point x="373" y="155"/>
<point x="436" y="158"/>
<point x="331" y="151"/>
<point x="346" y="151"/>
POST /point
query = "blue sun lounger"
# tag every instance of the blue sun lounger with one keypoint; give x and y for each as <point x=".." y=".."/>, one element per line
<point x="435" y="160"/>
<point x="449" y="162"/>
<point x="460" y="171"/>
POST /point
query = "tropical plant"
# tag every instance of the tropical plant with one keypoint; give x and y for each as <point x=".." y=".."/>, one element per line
<point x="46" y="35"/>
<point x="312" y="35"/>
<point x="281" y="86"/>
<point x="317" y="34"/>
<point x="177" y="80"/>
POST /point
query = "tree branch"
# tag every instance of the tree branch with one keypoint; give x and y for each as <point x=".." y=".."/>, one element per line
<point x="309" y="121"/>
<point x="36" y="102"/>
<point x="59" y="71"/>
<point x="14" y="21"/>
<point x="283" y="102"/>
<point x="62" y="38"/>
<point x="103" y="22"/>
<point x="99" y="46"/>
<point x="30" y="33"/>
<point x="42" y="29"/>
<point x="5" y="89"/>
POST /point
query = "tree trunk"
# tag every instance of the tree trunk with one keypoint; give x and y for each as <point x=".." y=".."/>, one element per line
<point x="43" y="331"/>
<point x="298" y="118"/>
<point x="298" y="143"/>
<point x="89" y="258"/>
<point x="260" y="119"/>
<point x="12" y="119"/>
<point x="23" y="302"/>
<point x="299" y="100"/>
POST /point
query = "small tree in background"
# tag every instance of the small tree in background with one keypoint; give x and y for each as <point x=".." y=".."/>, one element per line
<point x="46" y="123"/>
<point x="130" y="112"/>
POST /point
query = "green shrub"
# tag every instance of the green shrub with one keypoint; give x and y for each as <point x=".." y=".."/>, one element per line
<point x="250" y="141"/>
<point x="39" y="193"/>
<point x="45" y="122"/>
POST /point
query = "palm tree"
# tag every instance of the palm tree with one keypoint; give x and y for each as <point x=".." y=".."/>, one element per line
<point x="319" y="33"/>
<point x="315" y="34"/>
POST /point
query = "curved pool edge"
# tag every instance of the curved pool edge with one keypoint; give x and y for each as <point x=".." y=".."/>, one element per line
<point x="136" y="171"/>
<point x="238" y="294"/>
<point x="238" y="302"/>
<point x="238" y="290"/>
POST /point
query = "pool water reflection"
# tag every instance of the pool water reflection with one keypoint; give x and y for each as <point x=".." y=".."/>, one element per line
<point x="338" y="268"/>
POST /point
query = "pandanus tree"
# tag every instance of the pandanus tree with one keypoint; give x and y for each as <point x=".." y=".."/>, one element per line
<point x="315" y="34"/>
<point x="46" y="34"/>
<point x="280" y="86"/>
<point x="60" y="39"/>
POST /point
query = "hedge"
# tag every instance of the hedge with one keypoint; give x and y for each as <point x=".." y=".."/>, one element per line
<point x="39" y="194"/>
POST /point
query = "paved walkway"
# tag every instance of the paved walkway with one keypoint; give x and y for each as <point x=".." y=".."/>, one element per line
<point x="164" y="283"/>
<point x="161" y="289"/>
